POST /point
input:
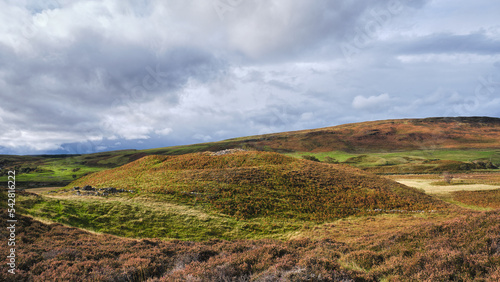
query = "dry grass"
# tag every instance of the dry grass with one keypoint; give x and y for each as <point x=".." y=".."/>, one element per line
<point x="356" y="229"/>
<point x="434" y="183"/>
<point x="430" y="188"/>
<point x="42" y="189"/>
<point x="473" y="191"/>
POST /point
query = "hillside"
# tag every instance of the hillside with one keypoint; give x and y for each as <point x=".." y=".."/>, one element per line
<point x="429" y="140"/>
<point x="230" y="215"/>
<point x="465" y="248"/>
<point x="252" y="184"/>
<point x="386" y="135"/>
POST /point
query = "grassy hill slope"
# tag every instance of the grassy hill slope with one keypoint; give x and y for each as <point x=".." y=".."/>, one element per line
<point x="386" y="135"/>
<point x="263" y="184"/>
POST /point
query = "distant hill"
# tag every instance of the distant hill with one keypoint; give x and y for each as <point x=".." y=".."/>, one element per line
<point x="364" y="137"/>
<point x="385" y="135"/>
<point x="264" y="184"/>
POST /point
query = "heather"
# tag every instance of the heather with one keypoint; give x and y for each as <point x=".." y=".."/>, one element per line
<point x="465" y="248"/>
<point x="253" y="184"/>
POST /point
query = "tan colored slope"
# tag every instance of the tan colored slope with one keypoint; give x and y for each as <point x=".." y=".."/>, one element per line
<point x="386" y="135"/>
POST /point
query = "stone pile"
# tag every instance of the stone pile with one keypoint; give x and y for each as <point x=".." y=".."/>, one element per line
<point x="88" y="190"/>
<point x="227" y="151"/>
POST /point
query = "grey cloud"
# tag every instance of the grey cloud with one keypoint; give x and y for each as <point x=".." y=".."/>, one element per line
<point x="103" y="74"/>
<point x="445" y="43"/>
<point x="254" y="76"/>
<point x="281" y="85"/>
<point x="280" y="30"/>
<point x="72" y="91"/>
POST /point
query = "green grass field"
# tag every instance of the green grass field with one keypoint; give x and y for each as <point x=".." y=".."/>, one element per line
<point x="415" y="155"/>
<point x="47" y="169"/>
<point x="151" y="216"/>
<point x="55" y="173"/>
<point x="417" y="161"/>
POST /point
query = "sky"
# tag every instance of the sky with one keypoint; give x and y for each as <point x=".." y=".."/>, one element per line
<point x="79" y="77"/>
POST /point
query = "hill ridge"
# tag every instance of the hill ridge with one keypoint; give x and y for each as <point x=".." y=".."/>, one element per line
<point x="384" y="135"/>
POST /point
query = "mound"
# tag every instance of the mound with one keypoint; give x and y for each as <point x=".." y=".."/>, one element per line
<point x="257" y="184"/>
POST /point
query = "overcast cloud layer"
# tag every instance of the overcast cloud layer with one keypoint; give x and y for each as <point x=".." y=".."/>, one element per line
<point x="86" y="76"/>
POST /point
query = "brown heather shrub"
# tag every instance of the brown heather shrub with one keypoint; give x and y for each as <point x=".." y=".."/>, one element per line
<point x="486" y="199"/>
<point x="365" y="258"/>
<point x="466" y="248"/>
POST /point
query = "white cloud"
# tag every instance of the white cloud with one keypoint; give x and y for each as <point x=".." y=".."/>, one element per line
<point x="372" y="102"/>
<point x="201" y="137"/>
<point x="165" y="131"/>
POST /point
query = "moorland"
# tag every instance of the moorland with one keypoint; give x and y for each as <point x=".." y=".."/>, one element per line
<point x="392" y="200"/>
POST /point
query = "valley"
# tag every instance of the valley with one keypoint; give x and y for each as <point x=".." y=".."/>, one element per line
<point x="377" y="201"/>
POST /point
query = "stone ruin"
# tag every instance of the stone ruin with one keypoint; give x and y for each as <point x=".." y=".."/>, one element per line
<point x="88" y="190"/>
<point x="227" y="151"/>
